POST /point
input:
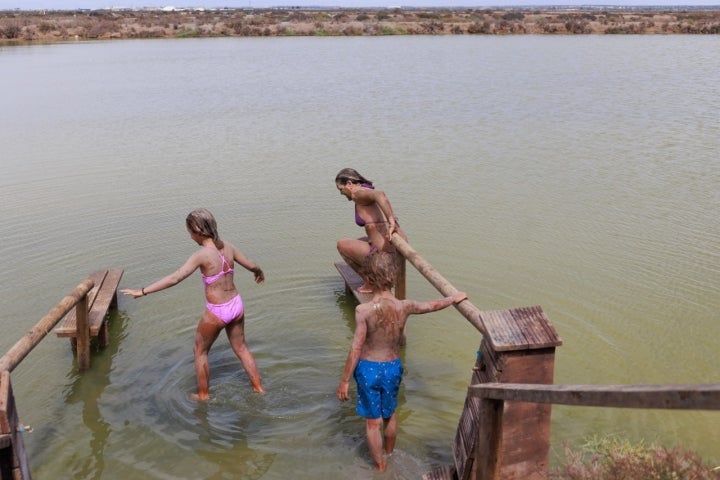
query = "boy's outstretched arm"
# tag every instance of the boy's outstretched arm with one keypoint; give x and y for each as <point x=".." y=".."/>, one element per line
<point x="416" y="307"/>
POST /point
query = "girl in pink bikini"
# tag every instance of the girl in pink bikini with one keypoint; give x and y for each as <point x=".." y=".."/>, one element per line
<point x="224" y="306"/>
<point x="373" y="212"/>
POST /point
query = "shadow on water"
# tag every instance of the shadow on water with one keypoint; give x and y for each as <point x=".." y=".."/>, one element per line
<point x="232" y="455"/>
<point x="87" y="387"/>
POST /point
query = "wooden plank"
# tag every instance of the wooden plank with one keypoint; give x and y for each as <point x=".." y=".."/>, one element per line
<point x="519" y="329"/>
<point x="106" y="297"/>
<point x="353" y="281"/>
<point x="13" y="459"/>
<point x="464" y="447"/>
<point x="68" y="327"/>
<point x="82" y="339"/>
<point x="5" y="403"/>
<point x="100" y="299"/>
<point x="21" y="469"/>
<point x="446" y="472"/>
<point x="466" y="434"/>
<point x="680" y="397"/>
<point x="489" y="446"/>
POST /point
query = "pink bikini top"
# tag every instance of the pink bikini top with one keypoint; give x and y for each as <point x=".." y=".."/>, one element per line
<point x="210" y="279"/>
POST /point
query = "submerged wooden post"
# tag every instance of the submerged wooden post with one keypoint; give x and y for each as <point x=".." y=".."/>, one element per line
<point x="83" y="334"/>
<point x="518" y="347"/>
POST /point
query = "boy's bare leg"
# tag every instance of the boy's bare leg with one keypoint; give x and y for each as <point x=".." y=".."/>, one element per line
<point x="390" y="433"/>
<point x="373" y="429"/>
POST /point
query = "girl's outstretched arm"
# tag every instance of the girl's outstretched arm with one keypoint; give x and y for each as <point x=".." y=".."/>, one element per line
<point x="192" y="264"/>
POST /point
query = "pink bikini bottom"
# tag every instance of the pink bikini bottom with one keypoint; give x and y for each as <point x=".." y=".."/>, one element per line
<point x="228" y="311"/>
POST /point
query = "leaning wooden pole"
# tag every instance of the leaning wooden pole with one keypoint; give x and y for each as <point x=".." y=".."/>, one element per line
<point x="469" y="311"/>
<point x="23" y="346"/>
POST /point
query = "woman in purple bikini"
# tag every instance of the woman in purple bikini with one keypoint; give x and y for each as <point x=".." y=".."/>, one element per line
<point x="373" y="212"/>
<point x="224" y="306"/>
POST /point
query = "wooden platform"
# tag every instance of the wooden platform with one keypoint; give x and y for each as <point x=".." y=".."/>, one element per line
<point x="102" y="296"/>
<point x="352" y="282"/>
<point x="525" y="328"/>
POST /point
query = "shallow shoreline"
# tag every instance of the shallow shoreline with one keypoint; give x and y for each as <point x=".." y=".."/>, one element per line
<point x="23" y="27"/>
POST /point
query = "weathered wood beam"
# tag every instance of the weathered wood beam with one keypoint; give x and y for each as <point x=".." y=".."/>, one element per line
<point x="681" y="397"/>
<point x="469" y="311"/>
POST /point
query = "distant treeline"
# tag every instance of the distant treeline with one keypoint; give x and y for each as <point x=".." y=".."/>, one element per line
<point x="23" y="26"/>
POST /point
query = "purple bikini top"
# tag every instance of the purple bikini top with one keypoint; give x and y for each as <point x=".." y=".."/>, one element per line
<point x="358" y="220"/>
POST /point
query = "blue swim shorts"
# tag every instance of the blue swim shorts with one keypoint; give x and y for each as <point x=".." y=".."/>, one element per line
<point x="378" y="384"/>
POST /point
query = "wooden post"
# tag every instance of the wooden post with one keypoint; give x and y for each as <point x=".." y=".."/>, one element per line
<point x="518" y="347"/>
<point x="488" y="450"/>
<point x="83" y="334"/>
<point x="400" y="291"/>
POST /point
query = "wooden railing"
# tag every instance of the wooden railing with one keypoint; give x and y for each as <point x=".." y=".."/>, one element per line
<point x="13" y="461"/>
<point x="489" y="448"/>
<point x="520" y="343"/>
<point x="77" y="298"/>
<point x="468" y="310"/>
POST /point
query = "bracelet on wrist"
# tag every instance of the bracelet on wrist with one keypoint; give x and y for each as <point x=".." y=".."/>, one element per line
<point x="142" y="290"/>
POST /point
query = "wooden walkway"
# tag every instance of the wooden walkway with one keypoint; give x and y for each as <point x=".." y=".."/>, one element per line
<point x="101" y="297"/>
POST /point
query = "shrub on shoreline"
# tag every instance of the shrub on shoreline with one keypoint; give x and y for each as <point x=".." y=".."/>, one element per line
<point x="611" y="458"/>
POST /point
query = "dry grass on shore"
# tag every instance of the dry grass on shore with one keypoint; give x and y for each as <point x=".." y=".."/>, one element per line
<point x="52" y="26"/>
<point x="612" y="458"/>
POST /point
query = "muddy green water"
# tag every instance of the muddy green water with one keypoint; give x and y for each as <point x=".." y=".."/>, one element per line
<point x="576" y="173"/>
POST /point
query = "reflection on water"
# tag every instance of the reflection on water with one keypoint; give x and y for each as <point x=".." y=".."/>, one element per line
<point x="86" y="389"/>
<point x="579" y="174"/>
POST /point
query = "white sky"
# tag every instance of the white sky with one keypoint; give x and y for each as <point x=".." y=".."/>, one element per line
<point x="96" y="4"/>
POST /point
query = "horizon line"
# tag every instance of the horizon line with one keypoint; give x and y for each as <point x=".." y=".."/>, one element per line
<point x="388" y="7"/>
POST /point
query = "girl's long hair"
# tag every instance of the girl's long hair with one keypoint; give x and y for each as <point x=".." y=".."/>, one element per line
<point x="202" y="222"/>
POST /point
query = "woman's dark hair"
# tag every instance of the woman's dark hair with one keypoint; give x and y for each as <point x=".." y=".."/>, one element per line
<point x="350" y="175"/>
<point x="202" y="222"/>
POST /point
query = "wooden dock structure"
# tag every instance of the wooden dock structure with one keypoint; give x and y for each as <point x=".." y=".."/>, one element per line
<point x="85" y="311"/>
<point x="83" y="323"/>
<point x="518" y="347"/>
<point x="504" y="427"/>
